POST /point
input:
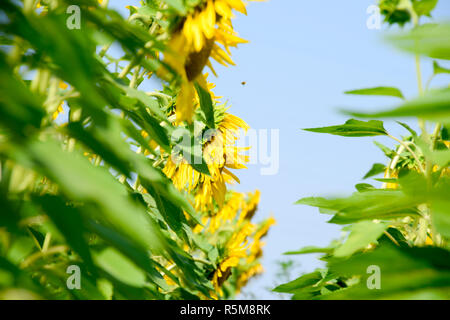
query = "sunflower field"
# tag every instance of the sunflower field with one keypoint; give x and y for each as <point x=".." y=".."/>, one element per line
<point x="97" y="175"/>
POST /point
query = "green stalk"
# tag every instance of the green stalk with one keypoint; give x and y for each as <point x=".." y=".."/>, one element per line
<point x="104" y="49"/>
<point x="435" y="136"/>
<point x="407" y="147"/>
<point x="415" y="18"/>
<point x="134" y="78"/>
<point x="422" y="230"/>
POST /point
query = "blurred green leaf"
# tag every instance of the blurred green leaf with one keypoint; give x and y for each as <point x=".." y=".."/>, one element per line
<point x="424" y="7"/>
<point x="70" y="223"/>
<point x="120" y="267"/>
<point x="434" y="105"/>
<point x="438" y="69"/>
<point x="404" y="271"/>
<point x="354" y="128"/>
<point x="206" y="105"/>
<point x="362" y="234"/>
<point x="299" y="283"/>
<point x="432" y="40"/>
<point x="177" y="5"/>
<point x="310" y="249"/>
<point x="377" y="204"/>
<point x="378" y="91"/>
<point x="376" y="169"/>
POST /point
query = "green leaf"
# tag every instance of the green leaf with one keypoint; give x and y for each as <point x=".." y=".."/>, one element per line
<point x="438" y="69"/>
<point x="147" y="101"/>
<point x="10" y="273"/>
<point x="393" y="235"/>
<point x="5" y="41"/>
<point x="424" y="7"/>
<point x="440" y="157"/>
<point x="138" y="255"/>
<point x="404" y="125"/>
<point x="20" y="110"/>
<point x="177" y="5"/>
<point x="387" y="151"/>
<point x="121" y="267"/>
<point x="206" y="104"/>
<point x="315" y="202"/>
<point x="299" y="283"/>
<point x="404" y="272"/>
<point x="430" y="40"/>
<point x="376" y="204"/>
<point x="172" y="214"/>
<point x="105" y="142"/>
<point x="440" y="207"/>
<point x="378" y="91"/>
<point x="311" y="249"/>
<point x="362" y="234"/>
<point x="393" y="12"/>
<point x="354" y="128"/>
<point x="147" y="122"/>
<point x="189" y="145"/>
<point x="441" y="218"/>
<point x="387" y="180"/>
<point x="362" y="187"/>
<point x="434" y="105"/>
<point x="87" y="183"/>
<point x="69" y="221"/>
<point x="376" y="169"/>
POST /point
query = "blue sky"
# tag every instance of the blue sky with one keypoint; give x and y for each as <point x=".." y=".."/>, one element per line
<point x="301" y="57"/>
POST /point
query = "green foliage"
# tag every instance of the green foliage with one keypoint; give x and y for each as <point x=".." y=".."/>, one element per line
<point x="431" y="40"/>
<point x="433" y="105"/>
<point x="84" y="204"/>
<point x="376" y="169"/>
<point x="206" y="105"/>
<point x="397" y="242"/>
<point x="378" y="91"/>
<point x="402" y="11"/>
<point x="394" y="13"/>
<point x="354" y="128"/>
<point x="90" y="190"/>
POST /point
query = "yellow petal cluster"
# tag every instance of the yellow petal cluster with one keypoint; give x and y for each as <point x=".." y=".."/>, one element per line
<point x="206" y="32"/>
<point x="256" y="246"/>
<point x="220" y="154"/>
<point x="235" y="250"/>
<point x="246" y="275"/>
<point x="59" y="110"/>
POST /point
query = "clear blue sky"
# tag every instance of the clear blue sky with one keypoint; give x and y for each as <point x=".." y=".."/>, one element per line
<point x="301" y="57"/>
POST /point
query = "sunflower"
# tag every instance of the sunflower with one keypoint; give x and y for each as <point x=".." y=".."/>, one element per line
<point x="228" y="211"/>
<point x="256" y="246"/>
<point x="249" y="208"/>
<point x="59" y="109"/>
<point x="236" y="248"/>
<point x="207" y="31"/>
<point x="220" y="154"/>
<point x="246" y="275"/>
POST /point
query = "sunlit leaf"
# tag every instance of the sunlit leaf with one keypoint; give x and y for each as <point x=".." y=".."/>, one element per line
<point x="354" y="128"/>
<point x="378" y="91"/>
